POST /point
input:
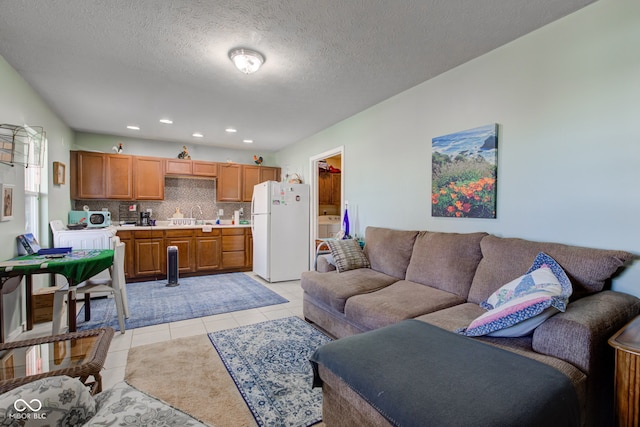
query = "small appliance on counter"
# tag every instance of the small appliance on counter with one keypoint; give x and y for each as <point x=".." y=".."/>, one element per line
<point x="145" y="218"/>
<point x="92" y="219"/>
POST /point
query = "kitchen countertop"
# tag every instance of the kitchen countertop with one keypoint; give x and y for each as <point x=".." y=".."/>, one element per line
<point x="177" y="227"/>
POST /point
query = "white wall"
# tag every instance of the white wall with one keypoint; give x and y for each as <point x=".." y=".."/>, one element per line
<point x="20" y="105"/>
<point x="566" y="98"/>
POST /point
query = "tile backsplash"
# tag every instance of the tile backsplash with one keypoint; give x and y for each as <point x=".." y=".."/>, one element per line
<point x="179" y="193"/>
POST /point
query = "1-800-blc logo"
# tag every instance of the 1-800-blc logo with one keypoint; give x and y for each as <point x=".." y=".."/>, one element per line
<point x="21" y="405"/>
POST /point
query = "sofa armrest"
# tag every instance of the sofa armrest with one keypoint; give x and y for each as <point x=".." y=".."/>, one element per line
<point x="579" y="334"/>
<point x="323" y="265"/>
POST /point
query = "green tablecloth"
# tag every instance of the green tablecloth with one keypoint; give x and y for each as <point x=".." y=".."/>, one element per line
<point x="77" y="266"/>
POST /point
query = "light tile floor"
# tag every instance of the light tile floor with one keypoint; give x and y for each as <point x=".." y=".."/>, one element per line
<point x="116" y="362"/>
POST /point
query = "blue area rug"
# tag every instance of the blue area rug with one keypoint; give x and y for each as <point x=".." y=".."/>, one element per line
<point x="152" y="303"/>
<point x="269" y="363"/>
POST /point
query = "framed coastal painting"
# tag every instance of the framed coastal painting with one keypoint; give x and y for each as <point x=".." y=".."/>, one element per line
<point x="7" y="202"/>
<point x="464" y="173"/>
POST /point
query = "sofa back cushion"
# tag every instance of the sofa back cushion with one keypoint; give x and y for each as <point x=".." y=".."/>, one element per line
<point x="389" y="251"/>
<point x="445" y="261"/>
<point x="504" y="259"/>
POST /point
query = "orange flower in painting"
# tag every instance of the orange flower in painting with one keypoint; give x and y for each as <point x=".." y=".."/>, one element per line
<point x="451" y="209"/>
<point x="434" y="199"/>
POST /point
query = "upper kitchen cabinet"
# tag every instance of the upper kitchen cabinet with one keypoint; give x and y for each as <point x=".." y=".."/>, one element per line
<point x="195" y="168"/>
<point x="229" y="186"/>
<point x="253" y="175"/>
<point x="148" y="178"/>
<point x="329" y="188"/>
<point x="101" y="176"/>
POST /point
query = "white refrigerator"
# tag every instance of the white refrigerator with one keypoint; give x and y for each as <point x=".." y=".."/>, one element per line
<point x="280" y="227"/>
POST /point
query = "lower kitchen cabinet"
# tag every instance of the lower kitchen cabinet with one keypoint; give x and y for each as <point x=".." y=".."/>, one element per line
<point x="207" y="247"/>
<point x="199" y="252"/>
<point x="183" y="240"/>
<point x="233" y="248"/>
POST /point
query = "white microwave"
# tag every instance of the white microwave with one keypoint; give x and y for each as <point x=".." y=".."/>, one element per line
<point x="93" y="219"/>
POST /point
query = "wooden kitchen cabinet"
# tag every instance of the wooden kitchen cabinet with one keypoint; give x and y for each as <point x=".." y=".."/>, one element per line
<point x="119" y="176"/>
<point x="329" y="188"/>
<point x="148" y="178"/>
<point x="150" y="253"/>
<point x="229" y="185"/>
<point x="209" y="169"/>
<point x="184" y="241"/>
<point x="248" y="248"/>
<point x="87" y="175"/>
<point x="252" y="175"/>
<point x="178" y="167"/>
<point x="208" y="250"/>
<point x="233" y="248"/>
<point x="126" y="237"/>
<point x="197" y="168"/>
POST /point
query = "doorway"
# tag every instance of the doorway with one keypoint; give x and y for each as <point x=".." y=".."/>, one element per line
<point x="327" y="195"/>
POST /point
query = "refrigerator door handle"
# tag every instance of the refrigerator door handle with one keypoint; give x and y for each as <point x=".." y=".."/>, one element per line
<point x="253" y="201"/>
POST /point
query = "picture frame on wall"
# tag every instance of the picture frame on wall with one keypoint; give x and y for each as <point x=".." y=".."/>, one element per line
<point x="464" y="172"/>
<point x="7" y="202"/>
<point x="59" y="173"/>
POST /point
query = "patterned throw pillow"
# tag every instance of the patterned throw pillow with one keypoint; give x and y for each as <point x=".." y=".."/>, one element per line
<point x="348" y="255"/>
<point x="521" y="305"/>
<point x="53" y="401"/>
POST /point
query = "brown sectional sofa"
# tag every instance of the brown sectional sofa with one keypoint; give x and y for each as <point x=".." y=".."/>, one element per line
<point x="441" y="278"/>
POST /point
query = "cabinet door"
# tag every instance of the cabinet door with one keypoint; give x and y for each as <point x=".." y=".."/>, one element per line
<point x="148" y="178"/>
<point x="129" y="253"/>
<point x="119" y="177"/>
<point x="185" y="251"/>
<point x="269" y="174"/>
<point x="205" y="168"/>
<point x="149" y="257"/>
<point x="336" y="190"/>
<point x="248" y="249"/>
<point x="250" y="178"/>
<point x="90" y="175"/>
<point x="229" y="185"/>
<point x="178" y="167"/>
<point x="324" y="188"/>
<point x="207" y="253"/>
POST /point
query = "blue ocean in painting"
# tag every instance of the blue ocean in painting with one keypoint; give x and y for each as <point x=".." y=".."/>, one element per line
<point x="481" y="141"/>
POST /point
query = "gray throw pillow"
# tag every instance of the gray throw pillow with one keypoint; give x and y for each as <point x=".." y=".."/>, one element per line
<point x="348" y="255"/>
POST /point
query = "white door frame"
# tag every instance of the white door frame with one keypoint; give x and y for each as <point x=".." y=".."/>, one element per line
<point x="313" y="181"/>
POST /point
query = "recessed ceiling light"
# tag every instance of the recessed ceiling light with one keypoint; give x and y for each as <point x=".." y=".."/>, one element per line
<point x="132" y="127"/>
<point x="198" y="135"/>
<point x="231" y="130"/>
<point x="166" y="121"/>
<point x="248" y="141"/>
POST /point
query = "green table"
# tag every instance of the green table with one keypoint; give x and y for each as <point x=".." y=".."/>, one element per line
<point x="77" y="266"/>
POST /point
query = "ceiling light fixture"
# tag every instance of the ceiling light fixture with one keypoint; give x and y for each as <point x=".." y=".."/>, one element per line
<point x="246" y="60"/>
<point x="231" y="130"/>
<point x="248" y="141"/>
<point x="198" y="135"/>
<point x="132" y="127"/>
<point x="166" y="121"/>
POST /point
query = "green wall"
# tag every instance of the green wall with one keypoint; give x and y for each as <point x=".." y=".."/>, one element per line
<point x="566" y="99"/>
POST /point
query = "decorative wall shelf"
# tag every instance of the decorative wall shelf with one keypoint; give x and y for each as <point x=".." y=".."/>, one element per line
<point x="22" y="145"/>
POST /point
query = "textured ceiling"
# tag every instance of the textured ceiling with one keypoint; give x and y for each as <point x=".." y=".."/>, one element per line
<point x="105" y="64"/>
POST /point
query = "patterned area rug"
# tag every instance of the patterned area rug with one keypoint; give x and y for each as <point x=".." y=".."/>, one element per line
<point x="152" y="303"/>
<point x="269" y="363"/>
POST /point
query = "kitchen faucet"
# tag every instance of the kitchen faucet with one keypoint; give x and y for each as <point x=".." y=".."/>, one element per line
<point x="195" y="206"/>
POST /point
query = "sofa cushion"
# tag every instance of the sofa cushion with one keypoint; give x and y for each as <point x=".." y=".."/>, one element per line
<point x="399" y="301"/>
<point x="445" y="261"/>
<point x="504" y="259"/>
<point x="389" y="251"/>
<point x="333" y="289"/>
<point x="58" y="400"/>
<point x="521" y="305"/>
<point x="347" y="255"/>
<point x="453" y="318"/>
